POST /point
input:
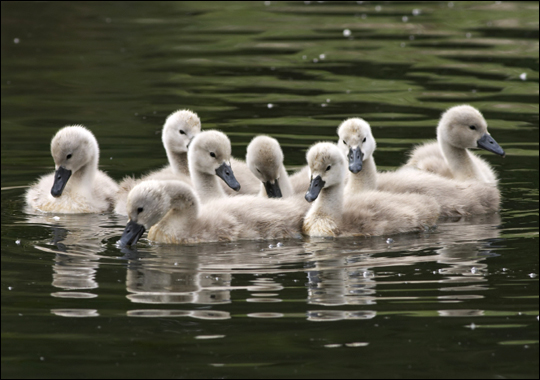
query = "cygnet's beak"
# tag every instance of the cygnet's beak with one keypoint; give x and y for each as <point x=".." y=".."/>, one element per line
<point x="225" y="173"/>
<point x="61" y="177"/>
<point x="272" y="189"/>
<point x="488" y="143"/>
<point x="132" y="233"/>
<point x="355" y="159"/>
<point x="315" y="188"/>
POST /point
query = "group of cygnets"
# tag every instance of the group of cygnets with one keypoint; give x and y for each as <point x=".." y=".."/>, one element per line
<point x="204" y="194"/>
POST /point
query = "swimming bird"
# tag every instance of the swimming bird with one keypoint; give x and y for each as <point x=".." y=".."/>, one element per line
<point x="172" y="213"/>
<point x="77" y="186"/>
<point x="264" y="158"/>
<point x="367" y="213"/>
<point x="461" y="128"/>
<point x="456" y="198"/>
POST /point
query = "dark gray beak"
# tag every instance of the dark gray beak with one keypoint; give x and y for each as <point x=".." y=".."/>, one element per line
<point x="272" y="189"/>
<point x="488" y="143"/>
<point x="315" y="188"/>
<point x="355" y="159"/>
<point x="225" y="173"/>
<point x="132" y="234"/>
<point x="61" y="177"/>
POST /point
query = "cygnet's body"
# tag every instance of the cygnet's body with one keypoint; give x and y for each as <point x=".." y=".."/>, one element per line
<point x="456" y="198"/>
<point x="178" y="131"/>
<point x="172" y="213"/>
<point x="367" y="213"/>
<point x="209" y="157"/>
<point x="77" y="186"/>
<point x="264" y="158"/>
<point x="461" y="128"/>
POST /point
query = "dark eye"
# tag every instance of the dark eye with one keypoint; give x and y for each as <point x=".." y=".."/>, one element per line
<point x="344" y="142"/>
<point x="68" y="156"/>
<point x="182" y="132"/>
<point x="472" y="127"/>
<point x="329" y="167"/>
<point x="212" y="154"/>
<point x="139" y="210"/>
<point x="364" y="140"/>
<point x="258" y="170"/>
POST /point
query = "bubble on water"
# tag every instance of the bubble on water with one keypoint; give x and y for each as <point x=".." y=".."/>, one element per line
<point x="315" y="60"/>
<point x="411" y="37"/>
<point x="416" y="12"/>
<point x="346" y="32"/>
<point x="327" y="100"/>
<point x="270" y="105"/>
<point x="378" y="8"/>
<point x="56" y="217"/>
<point x="16" y="40"/>
<point x="271" y="246"/>
<point x="532" y="275"/>
<point x="18" y="241"/>
<point x="474" y="270"/>
<point x="322" y="56"/>
<point x="468" y="35"/>
<point x="304" y="56"/>
<point x="404" y="19"/>
<point x="279" y="244"/>
<point x="9" y="288"/>
<point x="267" y="3"/>
<point x="324" y="105"/>
<point x="403" y="44"/>
<point x="523" y="76"/>
<point x="389" y="241"/>
<point x="450" y="5"/>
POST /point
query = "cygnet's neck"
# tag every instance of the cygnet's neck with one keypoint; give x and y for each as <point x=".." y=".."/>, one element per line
<point x="178" y="162"/>
<point x="459" y="161"/>
<point x="207" y="186"/>
<point x="365" y="179"/>
<point x="329" y="203"/>
<point x="81" y="181"/>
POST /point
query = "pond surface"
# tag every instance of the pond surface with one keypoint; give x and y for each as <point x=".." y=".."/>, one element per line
<point x="461" y="301"/>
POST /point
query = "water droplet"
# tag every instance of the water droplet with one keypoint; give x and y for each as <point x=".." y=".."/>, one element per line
<point x="378" y="8"/>
<point x="56" y="217"/>
<point x="404" y="19"/>
<point x="18" y="241"/>
<point x="346" y="32"/>
<point x="315" y="60"/>
<point x="322" y="56"/>
<point x="416" y="12"/>
<point x="279" y="244"/>
<point x="389" y="241"/>
<point x="271" y="246"/>
<point x="41" y="358"/>
<point x="523" y="76"/>
<point x="327" y="100"/>
<point x="270" y="105"/>
<point x="324" y="105"/>
<point x="9" y="288"/>
<point x="16" y="40"/>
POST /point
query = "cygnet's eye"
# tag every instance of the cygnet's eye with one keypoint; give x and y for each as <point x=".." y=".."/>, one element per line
<point x="472" y="127"/>
<point x="212" y="154"/>
<point x="139" y="210"/>
<point x="344" y="142"/>
<point x="329" y="167"/>
<point x="364" y="140"/>
<point x="182" y="132"/>
<point x="258" y="170"/>
<point x="68" y="156"/>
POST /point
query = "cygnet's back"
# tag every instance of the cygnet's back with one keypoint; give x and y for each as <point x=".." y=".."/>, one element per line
<point x="77" y="186"/>
<point x="172" y="213"/>
<point x="178" y="131"/>
<point x="264" y="158"/>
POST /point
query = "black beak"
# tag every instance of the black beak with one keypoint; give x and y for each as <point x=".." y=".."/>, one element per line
<point x="225" y="173"/>
<point x="488" y="143"/>
<point x="132" y="234"/>
<point x="315" y="188"/>
<point x="272" y="189"/>
<point x="61" y="177"/>
<point x="355" y="159"/>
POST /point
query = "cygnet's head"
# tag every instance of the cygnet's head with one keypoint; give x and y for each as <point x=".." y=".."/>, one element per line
<point x="326" y="166"/>
<point x="72" y="148"/>
<point x="356" y="142"/>
<point x="264" y="158"/>
<point x="465" y="127"/>
<point x="210" y="153"/>
<point x="179" y="129"/>
<point x="149" y="202"/>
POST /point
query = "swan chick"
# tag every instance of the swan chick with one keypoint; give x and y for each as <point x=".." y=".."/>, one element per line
<point x="264" y="158"/>
<point x="209" y="157"/>
<point x="172" y="213"/>
<point x="460" y="128"/>
<point x="76" y="186"/>
<point x="367" y="213"/>
<point x="179" y="129"/>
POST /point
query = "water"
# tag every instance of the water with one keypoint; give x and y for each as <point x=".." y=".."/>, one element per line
<point x="461" y="301"/>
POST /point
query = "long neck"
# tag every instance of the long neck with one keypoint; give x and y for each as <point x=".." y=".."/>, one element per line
<point x="329" y="203"/>
<point x="82" y="181"/>
<point x="207" y="186"/>
<point x="365" y="179"/>
<point x="178" y="162"/>
<point x="459" y="160"/>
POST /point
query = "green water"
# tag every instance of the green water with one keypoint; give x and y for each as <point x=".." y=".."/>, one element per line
<point x="459" y="302"/>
